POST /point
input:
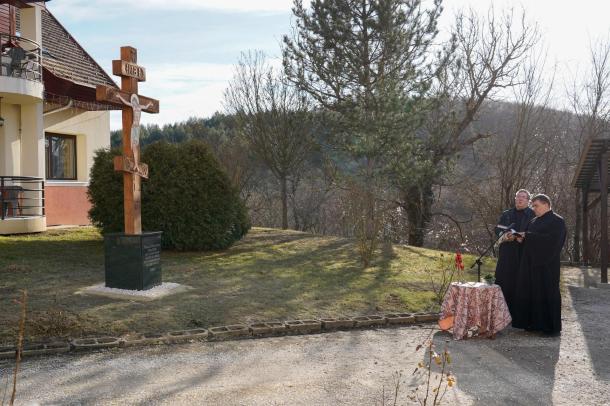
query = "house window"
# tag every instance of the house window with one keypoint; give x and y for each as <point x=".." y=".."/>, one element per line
<point x="61" y="156"/>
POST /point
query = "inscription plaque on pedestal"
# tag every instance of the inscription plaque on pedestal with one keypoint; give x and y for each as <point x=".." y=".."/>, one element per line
<point x="133" y="261"/>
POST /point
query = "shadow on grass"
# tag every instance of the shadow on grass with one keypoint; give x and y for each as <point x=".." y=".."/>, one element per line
<point x="270" y="275"/>
<point x="293" y="285"/>
<point x="430" y="254"/>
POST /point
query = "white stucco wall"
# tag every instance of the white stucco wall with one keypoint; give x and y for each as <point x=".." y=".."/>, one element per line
<point x="32" y="141"/>
<point x="10" y="144"/>
<point x="22" y="142"/>
<point x="92" y="130"/>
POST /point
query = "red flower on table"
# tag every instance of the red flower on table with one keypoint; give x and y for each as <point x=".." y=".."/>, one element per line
<point x="458" y="261"/>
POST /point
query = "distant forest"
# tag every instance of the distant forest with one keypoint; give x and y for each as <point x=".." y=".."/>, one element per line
<point x="207" y="129"/>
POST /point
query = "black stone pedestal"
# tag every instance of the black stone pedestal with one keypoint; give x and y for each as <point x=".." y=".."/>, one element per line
<point x="133" y="261"/>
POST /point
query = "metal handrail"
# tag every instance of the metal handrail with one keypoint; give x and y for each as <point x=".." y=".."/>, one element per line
<point x="15" y="190"/>
<point x="27" y="67"/>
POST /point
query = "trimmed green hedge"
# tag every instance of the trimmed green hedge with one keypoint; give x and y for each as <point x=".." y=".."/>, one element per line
<point x="187" y="196"/>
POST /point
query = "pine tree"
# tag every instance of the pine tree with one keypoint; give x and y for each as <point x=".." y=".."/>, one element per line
<point x="370" y="65"/>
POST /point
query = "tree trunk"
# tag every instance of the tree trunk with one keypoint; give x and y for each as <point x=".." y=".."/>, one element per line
<point x="295" y="212"/>
<point x="284" y="191"/>
<point x="418" y="204"/>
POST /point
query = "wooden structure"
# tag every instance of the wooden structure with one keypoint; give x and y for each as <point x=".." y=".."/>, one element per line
<point x="132" y="105"/>
<point x="591" y="178"/>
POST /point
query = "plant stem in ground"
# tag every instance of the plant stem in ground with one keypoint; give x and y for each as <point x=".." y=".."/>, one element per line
<point x="23" y="303"/>
<point x="440" y="384"/>
<point x="429" y="373"/>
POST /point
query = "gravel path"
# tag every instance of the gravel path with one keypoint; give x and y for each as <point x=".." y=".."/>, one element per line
<point x="343" y="367"/>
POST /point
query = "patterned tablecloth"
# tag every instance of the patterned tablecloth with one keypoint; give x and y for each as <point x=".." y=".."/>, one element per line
<point x="477" y="308"/>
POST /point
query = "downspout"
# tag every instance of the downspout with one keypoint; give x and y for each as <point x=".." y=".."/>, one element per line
<point x="57" y="110"/>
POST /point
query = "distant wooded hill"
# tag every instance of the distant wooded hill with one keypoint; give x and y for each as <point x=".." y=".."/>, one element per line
<point x="212" y="128"/>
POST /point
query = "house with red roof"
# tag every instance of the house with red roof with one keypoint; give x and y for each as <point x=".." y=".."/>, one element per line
<point x="50" y="122"/>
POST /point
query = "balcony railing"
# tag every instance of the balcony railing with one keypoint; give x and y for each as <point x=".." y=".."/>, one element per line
<point x="20" y="58"/>
<point x="21" y="197"/>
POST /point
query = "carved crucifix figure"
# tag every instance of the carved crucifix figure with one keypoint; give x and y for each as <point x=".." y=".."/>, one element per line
<point x="137" y="108"/>
<point x="132" y="104"/>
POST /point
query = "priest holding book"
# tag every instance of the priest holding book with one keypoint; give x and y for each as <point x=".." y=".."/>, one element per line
<point x="510" y="251"/>
<point x="537" y="301"/>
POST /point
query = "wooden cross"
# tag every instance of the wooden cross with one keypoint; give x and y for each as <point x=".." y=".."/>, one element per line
<point x="132" y="105"/>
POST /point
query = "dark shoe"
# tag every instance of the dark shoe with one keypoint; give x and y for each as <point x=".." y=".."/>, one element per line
<point x="551" y="334"/>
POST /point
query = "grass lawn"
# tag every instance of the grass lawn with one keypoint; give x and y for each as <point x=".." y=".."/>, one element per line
<point x="270" y="275"/>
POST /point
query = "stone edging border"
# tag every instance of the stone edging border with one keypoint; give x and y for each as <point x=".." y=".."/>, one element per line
<point x="222" y="333"/>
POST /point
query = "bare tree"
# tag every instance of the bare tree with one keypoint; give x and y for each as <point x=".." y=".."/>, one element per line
<point x="489" y="52"/>
<point x="590" y="101"/>
<point x="274" y="118"/>
<point x="524" y="153"/>
<point x="590" y="95"/>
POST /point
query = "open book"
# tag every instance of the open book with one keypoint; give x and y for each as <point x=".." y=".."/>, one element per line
<point x="509" y="229"/>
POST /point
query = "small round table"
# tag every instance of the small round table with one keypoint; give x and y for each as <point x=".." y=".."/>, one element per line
<point x="472" y="308"/>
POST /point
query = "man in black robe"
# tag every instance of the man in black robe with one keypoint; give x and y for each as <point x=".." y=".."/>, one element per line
<point x="537" y="304"/>
<point x="509" y="256"/>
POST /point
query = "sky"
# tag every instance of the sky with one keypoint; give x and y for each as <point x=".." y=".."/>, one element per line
<point x="189" y="47"/>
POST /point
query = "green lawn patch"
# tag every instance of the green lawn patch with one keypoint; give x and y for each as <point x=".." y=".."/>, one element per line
<point x="269" y="275"/>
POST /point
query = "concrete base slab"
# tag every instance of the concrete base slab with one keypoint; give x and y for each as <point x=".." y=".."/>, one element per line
<point x="163" y="290"/>
<point x="603" y="285"/>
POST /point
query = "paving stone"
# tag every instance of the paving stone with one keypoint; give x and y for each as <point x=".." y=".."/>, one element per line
<point x="144" y="339"/>
<point x="312" y="326"/>
<point x="83" y="344"/>
<point x="426" y="317"/>
<point x="293" y="326"/>
<point x="232" y="331"/>
<point x="400" y="318"/>
<point x="277" y="327"/>
<point x="337" y="323"/>
<point x="261" y="329"/>
<point x="187" y="335"/>
<point x="220" y="332"/>
<point x="370" y="321"/>
<point x="56" y="347"/>
<point x="239" y="330"/>
<point x="304" y="326"/>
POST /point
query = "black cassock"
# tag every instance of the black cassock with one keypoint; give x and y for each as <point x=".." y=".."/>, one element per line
<point x="509" y="255"/>
<point x="537" y="303"/>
